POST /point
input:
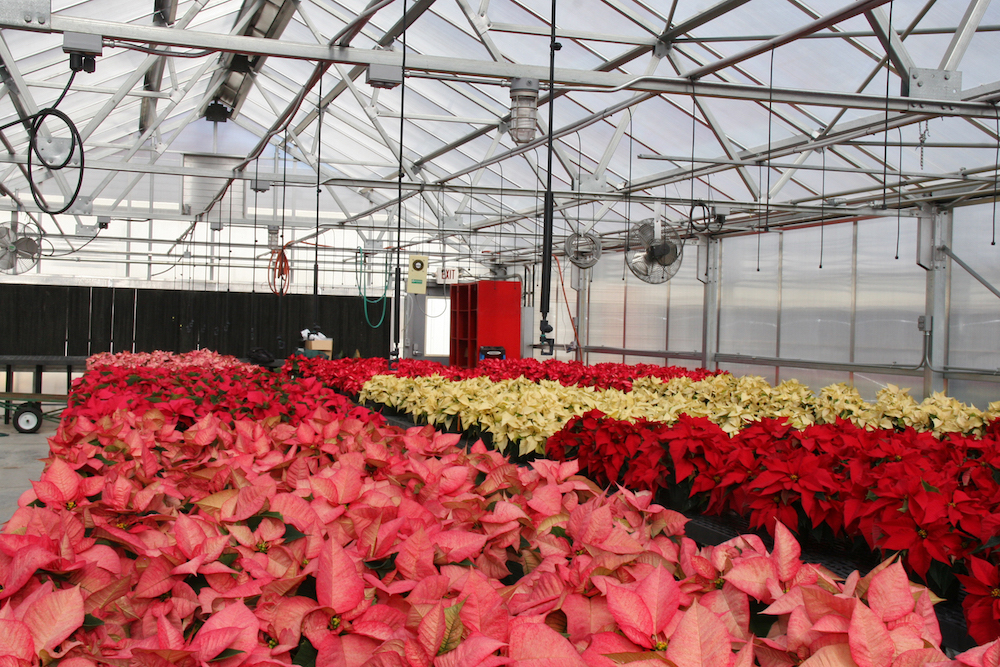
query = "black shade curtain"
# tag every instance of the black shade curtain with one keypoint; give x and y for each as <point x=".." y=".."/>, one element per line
<point x="79" y="321"/>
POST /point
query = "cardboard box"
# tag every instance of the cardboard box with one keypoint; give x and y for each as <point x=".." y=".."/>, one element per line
<point x="323" y="345"/>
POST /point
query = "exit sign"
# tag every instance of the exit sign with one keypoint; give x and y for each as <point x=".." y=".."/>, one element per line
<point x="448" y="276"/>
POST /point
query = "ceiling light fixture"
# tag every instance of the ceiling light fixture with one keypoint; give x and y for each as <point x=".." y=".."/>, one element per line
<point x="523" y="109"/>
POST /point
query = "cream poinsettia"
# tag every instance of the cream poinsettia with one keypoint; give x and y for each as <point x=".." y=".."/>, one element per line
<point x="525" y="413"/>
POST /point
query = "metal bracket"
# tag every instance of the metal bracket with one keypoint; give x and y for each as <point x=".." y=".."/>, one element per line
<point x="935" y="84"/>
<point x="82" y="206"/>
<point x="592" y="183"/>
<point x="972" y="272"/>
<point x="453" y="223"/>
<point x="55" y="149"/>
<point x="26" y="14"/>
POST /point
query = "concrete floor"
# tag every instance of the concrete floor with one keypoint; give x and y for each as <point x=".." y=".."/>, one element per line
<point x="19" y="464"/>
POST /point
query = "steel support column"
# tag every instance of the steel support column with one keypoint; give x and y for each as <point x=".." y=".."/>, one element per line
<point x="710" y="305"/>
<point x="936" y="302"/>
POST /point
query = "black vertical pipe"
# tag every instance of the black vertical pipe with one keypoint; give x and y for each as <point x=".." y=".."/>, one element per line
<point x="548" y="209"/>
<point x="319" y="155"/>
<point x="394" y="354"/>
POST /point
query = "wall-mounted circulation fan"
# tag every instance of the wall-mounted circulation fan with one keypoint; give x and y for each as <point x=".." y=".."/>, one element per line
<point x="20" y="246"/>
<point x="653" y="251"/>
<point x="583" y="249"/>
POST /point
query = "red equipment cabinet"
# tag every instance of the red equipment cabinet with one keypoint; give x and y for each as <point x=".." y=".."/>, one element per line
<point x="486" y="313"/>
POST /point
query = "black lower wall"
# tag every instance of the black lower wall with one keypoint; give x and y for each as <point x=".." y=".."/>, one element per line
<point x="80" y="321"/>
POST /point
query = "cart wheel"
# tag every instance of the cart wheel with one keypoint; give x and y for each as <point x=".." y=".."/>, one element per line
<point x="28" y="418"/>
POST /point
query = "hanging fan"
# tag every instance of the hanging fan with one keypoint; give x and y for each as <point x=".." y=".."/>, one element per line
<point x="20" y="246"/>
<point x="653" y="252"/>
<point x="583" y="249"/>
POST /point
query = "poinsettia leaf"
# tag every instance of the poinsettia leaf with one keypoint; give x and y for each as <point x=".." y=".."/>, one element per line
<point x="431" y="631"/>
<point x="920" y="657"/>
<point x="637" y="656"/>
<point x="750" y="575"/>
<point x="216" y="500"/>
<point x="889" y="593"/>
<point x="700" y="639"/>
<point x="156" y="579"/>
<point x="236" y="616"/>
<point x="305" y="655"/>
<point x="630" y="611"/>
<point x="102" y="598"/>
<point x="661" y="595"/>
<point x="338" y="584"/>
<point x="474" y="651"/>
<point x="53" y="617"/>
<point x="16" y="640"/>
<point x="228" y="653"/>
<point x="832" y="655"/>
<point x="292" y="533"/>
<point x="744" y="657"/>
<point x="786" y="552"/>
<point x="26" y="562"/>
<point x="538" y="645"/>
<point x="870" y="642"/>
<point x="91" y="621"/>
<point x="453" y="628"/>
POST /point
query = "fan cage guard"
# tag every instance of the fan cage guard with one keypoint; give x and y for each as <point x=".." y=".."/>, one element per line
<point x="638" y="244"/>
<point x="20" y="247"/>
<point x="583" y="250"/>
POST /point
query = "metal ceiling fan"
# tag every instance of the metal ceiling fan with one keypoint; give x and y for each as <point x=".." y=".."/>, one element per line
<point x="583" y="249"/>
<point x="653" y="252"/>
<point x="20" y="246"/>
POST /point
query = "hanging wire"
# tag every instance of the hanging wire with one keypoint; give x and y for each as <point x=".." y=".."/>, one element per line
<point x="923" y="139"/>
<point x="33" y="124"/>
<point x="319" y="190"/>
<point x="694" y="130"/>
<point x="770" y="116"/>
<point x="395" y="352"/>
<point x="899" y="192"/>
<point x="996" y="174"/>
<point x="500" y="235"/>
<point x="822" y="199"/>
<point x="885" y="149"/>
<point x="279" y="273"/>
<point x="253" y="260"/>
<point x="628" y="192"/>
<point x="229" y="243"/>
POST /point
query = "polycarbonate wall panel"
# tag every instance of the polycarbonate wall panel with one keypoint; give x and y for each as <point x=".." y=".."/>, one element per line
<point x="816" y="302"/>
<point x="890" y="294"/>
<point x="748" y="314"/>
<point x="645" y="318"/>
<point x="869" y="384"/>
<point x="607" y="307"/>
<point x="769" y="373"/>
<point x="814" y="379"/>
<point x="974" y="334"/>
<point x="685" y="306"/>
<point x="980" y="394"/>
<point x="437" y="326"/>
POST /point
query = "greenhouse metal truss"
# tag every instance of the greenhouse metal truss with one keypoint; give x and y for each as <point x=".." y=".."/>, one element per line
<point x="771" y="113"/>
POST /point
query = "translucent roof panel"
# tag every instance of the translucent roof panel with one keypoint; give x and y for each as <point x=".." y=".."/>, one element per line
<point x="771" y="109"/>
